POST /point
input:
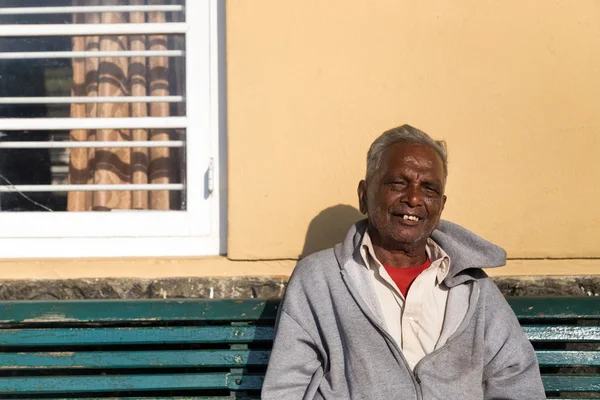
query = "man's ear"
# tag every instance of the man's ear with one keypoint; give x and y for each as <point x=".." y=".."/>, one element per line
<point x="362" y="196"/>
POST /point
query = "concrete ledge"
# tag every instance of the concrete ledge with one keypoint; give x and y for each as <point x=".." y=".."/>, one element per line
<point x="549" y="286"/>
<point x="221" y="267"/>
<point x="110" y="288"/>
<point x="245" y="287"/>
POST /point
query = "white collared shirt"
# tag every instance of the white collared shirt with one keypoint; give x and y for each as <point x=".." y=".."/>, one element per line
<point x="415" y="323"/>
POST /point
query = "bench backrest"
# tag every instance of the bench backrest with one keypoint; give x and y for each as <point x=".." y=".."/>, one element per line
<point x="135" y="348"/>
<point x="214" y="349"/>
<point x="565" y="331"/>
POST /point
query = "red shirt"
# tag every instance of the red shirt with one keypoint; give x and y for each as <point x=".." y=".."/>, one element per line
<point x="404" y="277"/>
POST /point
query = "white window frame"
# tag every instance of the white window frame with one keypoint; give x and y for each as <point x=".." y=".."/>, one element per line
<point x="197" y="231"/>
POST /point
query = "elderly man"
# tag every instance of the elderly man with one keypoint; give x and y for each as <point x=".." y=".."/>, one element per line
<point x="401" y="308"/>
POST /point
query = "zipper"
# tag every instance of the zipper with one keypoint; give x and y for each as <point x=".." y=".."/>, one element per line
<point x="456" y="334"/>
<point x="414" y="378"/>
<point x="419" y="385"/>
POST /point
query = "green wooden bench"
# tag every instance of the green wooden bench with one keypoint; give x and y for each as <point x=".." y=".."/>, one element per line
<point x="216" y="349"/>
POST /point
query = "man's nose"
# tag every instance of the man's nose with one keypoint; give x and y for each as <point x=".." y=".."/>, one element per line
<point x="414" y="196"/>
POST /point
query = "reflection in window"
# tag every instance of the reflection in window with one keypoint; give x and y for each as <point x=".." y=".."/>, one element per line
<point x="23" y="77"/>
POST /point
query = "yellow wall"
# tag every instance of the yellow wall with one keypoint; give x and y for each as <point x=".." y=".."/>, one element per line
<point x="511" y="85"/>
<point x="221" y="267"/>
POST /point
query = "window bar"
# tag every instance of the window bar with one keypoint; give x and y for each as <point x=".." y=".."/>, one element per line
<point x="13" y="55"/>
<point x="91" y="99"/>
<point x="90" y="145"/>
<point x="58" y="124"/>
<point x="87" y="9"/>
<point x="92" y="29"/>
<point x="89" y="188"/>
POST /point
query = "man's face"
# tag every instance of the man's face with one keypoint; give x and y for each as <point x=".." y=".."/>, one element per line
<point x="405" y="197"/>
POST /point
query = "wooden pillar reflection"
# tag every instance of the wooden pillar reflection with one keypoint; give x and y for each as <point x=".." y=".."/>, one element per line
<point x="137" y="81"/>
<point x="79" y="170"/>
<point x="160" y="166"/>
<point x="113" y="166"/>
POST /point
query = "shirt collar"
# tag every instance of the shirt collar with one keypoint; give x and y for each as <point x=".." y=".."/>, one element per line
<point x="438" y="257"/>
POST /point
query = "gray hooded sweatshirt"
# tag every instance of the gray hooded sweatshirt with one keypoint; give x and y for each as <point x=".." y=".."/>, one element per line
<point x="331" y="342"/>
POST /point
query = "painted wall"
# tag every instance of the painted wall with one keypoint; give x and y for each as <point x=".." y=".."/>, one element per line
<point x="512" y="86"/>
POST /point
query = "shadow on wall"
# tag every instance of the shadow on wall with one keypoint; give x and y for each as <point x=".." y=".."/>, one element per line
<point x="329" y="228"/>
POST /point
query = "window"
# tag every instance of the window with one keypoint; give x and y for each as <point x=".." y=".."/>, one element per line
<point x="110" y="126"/>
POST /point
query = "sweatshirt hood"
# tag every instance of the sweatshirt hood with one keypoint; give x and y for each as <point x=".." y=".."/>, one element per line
<point x="466" y="249"/>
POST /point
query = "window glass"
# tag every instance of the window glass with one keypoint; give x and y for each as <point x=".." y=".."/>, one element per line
<point x="46" y="79"/>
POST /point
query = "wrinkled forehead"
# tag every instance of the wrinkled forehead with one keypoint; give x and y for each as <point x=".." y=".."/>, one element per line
<point x="416" y="156"/>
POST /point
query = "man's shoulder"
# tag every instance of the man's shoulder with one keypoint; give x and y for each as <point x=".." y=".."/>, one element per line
<point x="312" y="277"/>
<point x="495" y="303"/>
<point x="316" y="263"/>
<point x="316" y="271"/>
<point x="466" y="249"/>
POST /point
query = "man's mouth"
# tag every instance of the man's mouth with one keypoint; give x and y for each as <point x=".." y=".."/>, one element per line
<point x="407" y="217"/>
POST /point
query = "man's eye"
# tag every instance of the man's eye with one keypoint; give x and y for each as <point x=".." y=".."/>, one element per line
<point x="431" y="190"/>
<point x="397" y="185"/>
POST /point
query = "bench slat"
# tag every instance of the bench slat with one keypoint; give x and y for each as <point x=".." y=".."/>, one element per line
<point x="571" y="383"/>
<point x="223" y="334"/>
<point x="143" y="335"/>
<point x="111" y="383"/>
<point x="566" y="358"/>
<point x="135" y="359"/>
<point x="562" y="333"/>
<point x="74" y="311"/>
<point x="173" y="398"/>
<point x="555" y="307"/>
<point x="98" y="384"/>
<point x="237" y="310"/>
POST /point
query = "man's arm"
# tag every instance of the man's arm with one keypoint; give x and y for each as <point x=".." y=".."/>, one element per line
<point x="295" y="369"/>
<point x="512" y="372"/>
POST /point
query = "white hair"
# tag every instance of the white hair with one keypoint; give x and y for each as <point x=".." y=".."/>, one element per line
<point x="403" y="134"/>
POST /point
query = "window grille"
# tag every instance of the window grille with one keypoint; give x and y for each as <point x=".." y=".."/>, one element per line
<point x="189" y="30"/>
